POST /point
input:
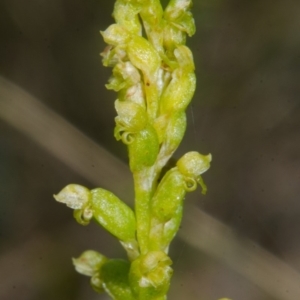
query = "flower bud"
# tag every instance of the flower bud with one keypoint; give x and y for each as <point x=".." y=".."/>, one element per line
<point x="179" y="92"/>
<point x="143" y="150"/>
<point x="114" y="275"/>
<point x="150" y="275"/>
<point x="131" y="117"/>
<point x="174" y="132"/>
<point x="143" y="56"/>
<point x="192" y="165"/>
<point x="166" y="210"/>
<point x="168" y="196"/>
<point x="113" y="214"/>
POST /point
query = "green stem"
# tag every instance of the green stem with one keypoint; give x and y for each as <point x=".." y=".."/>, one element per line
<point x="144" y="188"/>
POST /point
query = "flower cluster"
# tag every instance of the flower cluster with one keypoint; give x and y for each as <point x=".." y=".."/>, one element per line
<point x="153" y="74"/>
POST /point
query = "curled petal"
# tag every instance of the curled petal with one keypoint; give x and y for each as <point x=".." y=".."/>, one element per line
<point x="131" y="116"/>
<point x="127" y="138"/>
<point x="83" y="216"/>
<point x="190" y="184"/>
<point x="120" y="134"/>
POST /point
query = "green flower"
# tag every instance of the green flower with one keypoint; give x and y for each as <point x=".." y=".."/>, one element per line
<point x="154" y="77"/>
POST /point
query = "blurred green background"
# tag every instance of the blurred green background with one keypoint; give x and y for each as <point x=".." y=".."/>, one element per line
<point x="241" y="240"/>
